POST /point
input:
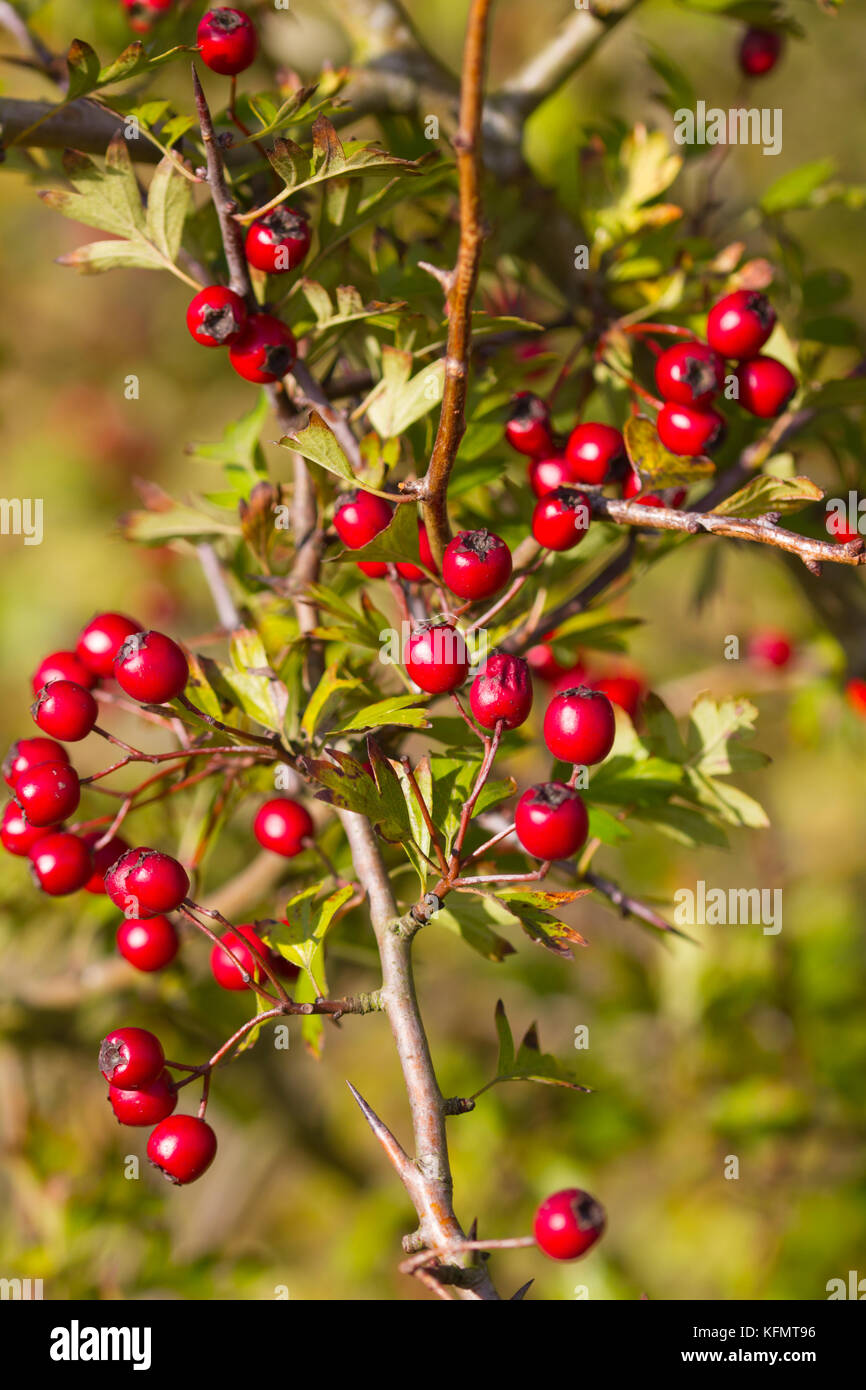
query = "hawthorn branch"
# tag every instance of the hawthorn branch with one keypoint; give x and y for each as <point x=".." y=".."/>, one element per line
<point x="224" y="203"/>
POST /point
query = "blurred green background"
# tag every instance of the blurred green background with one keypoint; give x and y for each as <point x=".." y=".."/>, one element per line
<point x="744" y="1044"/>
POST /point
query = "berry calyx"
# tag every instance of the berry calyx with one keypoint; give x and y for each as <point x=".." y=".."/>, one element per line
<point x="759" y="51"/>
<point x="770" y="648"/>
<point x="28" y="753"/>
<point x="103" y="858"/>
<point x="48" y="793"/>
<point x="146" y="1105"/>
<point x="437" y="659"/>
<point x="580" y="726"/>
<point x="100" y="641"/>
<point x="148" y="945"/>
<point x="740" y="324"/>
<point x="265" y="351"/>
<point x="151" y="668"/>
<point x="687" y="431"/>
<point x="61" y="863"/>
<point x="17" y="835"/>
<point x="182" y="1148"/>
<point x="278" y="242"/>
<point x="568" y="1224"/>
<point x="549" y="473"/>
<point x="130" y="1058"/>
<point x="62" y="666"/>
<point x="412" y="572"/>
<point x="65" y="710"/>
<point x="216" y="316"/>
<point x="528" y="429"/>
<point x="502" y="691"/>
<point x="476" y="564"/>
<point x="282" y="825"/>
<point x="551" y="821"/>
<point x="765" y="386"/>
<point x="592" y="451"/>
<point x="561" y="519"/>
<point x="144" y="883"/>
<point x="690" y="373"/>
<point x="227" y="41"/>
<point x="223" y="968"/>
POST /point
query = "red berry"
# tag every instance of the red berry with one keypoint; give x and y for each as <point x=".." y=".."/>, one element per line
<point x="543" y="663"/>
<point x="632" y="485"/>
<point x="759" y="51"/>
<point x="61" y="862"/>
<point x="280" y="966"/>
<point x="278" y="242"/>
<point x="770" y="649"/>
<point x="359" y="517"/>
<point x="436" y="657"/>
<point x="766" y="386"/>
<point x="216" y="316"/>
<point x="131" y="1057"/>
<point x="648" y="499"/>
<point x="147" y="1105"/>
<point x="690" y="373"/>
<point x="476" y="564"/>
<point x="282" y="825"/>
<point x="182" y="1148"/>
<point x="561" y="519"/>
<point x="855" y="694"/>
<point x="687" y="431"/>
<point x="568" y="1224"/>
<point x="148" y="945"/>
<point x="144" y="883"/>
<point x="571" y="679"/>
<point x="143" y="14"/>
<point x="100" y="640"/>
<point x="412" y="572"/>
<point x="103" y="858"/>
<point x="227" y="41"/>
<point x="839" y="528"/>
<point x="265" y="351"/>
<point x="66" y="710"/>
<point x="503" y="691"/>
<point x="550" y="821"/>
<point x="592" y="451"/>
<point x="17" y="835"/>
<point x="28" y="753"/>
<point x="223" y="968"/>
<point x="740" y="324"/>
<point x="528" y="428"/>
<point x="625" y="691"/>
<point x="547" y="474"/>
<point x="48" y="793"/>
<point x="579" y="726"/>
<point x="62" y="666"/>
<point x="151" y="668"/>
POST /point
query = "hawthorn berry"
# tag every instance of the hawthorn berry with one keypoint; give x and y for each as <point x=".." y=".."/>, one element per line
<point x="61" y="863"/>
<point x="100" y="640"/>
<point x="151" y="668"/>
<point x="28" y="753"/>
<point x="148" y="945"/>
<point x="131" y="1057"/>
<point x="147" y="1105"/>
<point x="687" y="431"/>
<point x="62" y="666"/>
<point x="282" y="825"/>
<point x="359" y="517"/>
<point x="839" y="527"/>
<point x="278" y="242"/>
<point x="223" y="968"/>
<point x="855" y="694"/>
<point x="476" y="564"/>
<point x="550" y="821"/>
<point x="48" y="793"/>
<point x="579" y="726"/>
<point x="568" y="1223"/>
<point x="410" y="571"/>
<point x="143" y="14"/>
<point x="227" y="40"/>
<point x="632" y="484"/>
<point x="265" y="351"/>
<point x="759" y="51"/>
<point x="571" y="678"/>
<point x="625" y="691"/>
<point x="740" y="324"/>
<point x="216" y="316"/>
<point x="690" y="373"/>
<point x="437" y="659"/>
<point x="528" y="428"/>
<point x="17" y="835"/>
<point x="770" y="648"/>
<point x="145" y="883"/>
<point x="65" y="710"/>
<point x="103" y="858"/>
<point x="766" y="386"/>
<point x="561" y="519"/>
<point x="549" y="473"/>
<point x="502" y="691"/>
<point x="182" y="1148"/>
<point x="543" y="663"/>
<point x="592" y="451"/>
<point x="281" y="966"/>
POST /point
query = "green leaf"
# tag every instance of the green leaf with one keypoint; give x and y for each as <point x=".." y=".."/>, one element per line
<point x="656" y="464"/>
<point x="169" y="200"/>
<point x="529" y="907"/>
<point x="330" y="159"/>
<point x="470" y="917"/>
<point x="83" y="66"/>
<point x="833" y="394"/>
<point x="506" y="1040"/>
<point x="258" y="691"/>
<point x="397" y="710"/>
<point x="530" y="1063"/>
<point x="108" y="199"/>
<point x="99" y="256"/>
<point x="349" y="787"/>
<point x="129" y="61"/>
<point x="240" y="441"/>
<point x="714" y="734"/>
<point x="318" y="444"/>
<point x="328" y="686"/>
<point x="176" y="522"/>
<point x="796" y="188"/>
<point x="400" y="399"/>
<point x="770" y="494"/>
